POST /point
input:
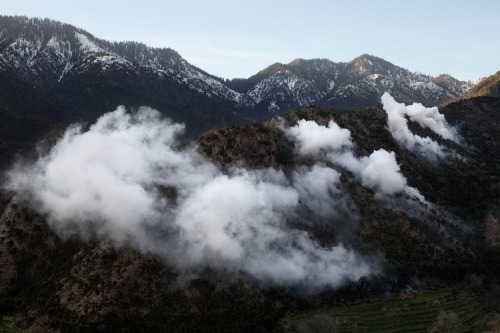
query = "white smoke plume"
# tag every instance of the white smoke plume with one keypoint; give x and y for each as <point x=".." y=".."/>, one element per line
<point x="317" y="186"/>
<point x="380" y="171"/>
<point x="111" y="181"/>
<point x="314" y="138"/>
<point x="240" y="221"/>
<point x="426" y="117"/>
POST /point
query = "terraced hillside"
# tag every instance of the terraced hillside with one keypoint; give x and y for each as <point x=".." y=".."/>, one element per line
<point x="410" y="315"/>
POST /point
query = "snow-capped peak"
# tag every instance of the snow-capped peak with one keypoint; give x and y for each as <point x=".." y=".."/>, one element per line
<point x="45" y="52"/>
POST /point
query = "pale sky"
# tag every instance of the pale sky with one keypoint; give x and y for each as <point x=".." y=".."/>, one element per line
<point x="234" y="38"/>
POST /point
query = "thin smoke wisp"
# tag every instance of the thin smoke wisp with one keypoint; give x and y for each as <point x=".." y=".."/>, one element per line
<point x="397" y="123"/>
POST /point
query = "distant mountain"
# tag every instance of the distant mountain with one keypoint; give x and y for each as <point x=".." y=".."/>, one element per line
<point x="83" y="77"/>
<point x="367" y="77"/>
<point x="47" y="53"/>
<point x="355" y="84"/>
<point x="89" y="76"/>
<point x="280" y="88"/>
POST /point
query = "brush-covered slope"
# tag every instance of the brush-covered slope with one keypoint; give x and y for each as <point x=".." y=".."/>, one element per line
<point x="489" y="86"/>
<point x="90" y="285"/>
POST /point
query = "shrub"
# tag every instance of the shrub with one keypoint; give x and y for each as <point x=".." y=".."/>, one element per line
<point x="446" y="322"/>
<point x="318" y="324"/>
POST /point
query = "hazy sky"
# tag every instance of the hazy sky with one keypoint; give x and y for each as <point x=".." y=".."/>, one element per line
<point x="231" y="38"/>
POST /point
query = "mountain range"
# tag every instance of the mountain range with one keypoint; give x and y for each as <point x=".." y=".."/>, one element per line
<point x="81" y="76"/>
<point x="250" y="221"/>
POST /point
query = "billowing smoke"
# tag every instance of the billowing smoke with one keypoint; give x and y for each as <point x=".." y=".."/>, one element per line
<point x="126" y="180"/>
<point x="240" y="221"/>
<point x="313" y="138"/>
<point x="105" y="180"/>
<point x="426" y="117"/>
<point x="317" y="186"/>
<point x="380" y="171"/>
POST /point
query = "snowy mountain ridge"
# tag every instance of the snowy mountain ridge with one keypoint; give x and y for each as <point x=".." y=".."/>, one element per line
<point x="44" y="52"/>
<point x="354" y="84"/>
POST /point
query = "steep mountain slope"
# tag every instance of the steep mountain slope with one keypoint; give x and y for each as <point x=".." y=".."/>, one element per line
<point x="87" y="76"/>
<point x="27" y="116"/>
<point x="489" y="86"/>
<point x="91" y="286"/>
<point x="479" y="122"/>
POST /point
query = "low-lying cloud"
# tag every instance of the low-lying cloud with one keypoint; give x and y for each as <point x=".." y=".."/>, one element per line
<point x="126" y="180"/>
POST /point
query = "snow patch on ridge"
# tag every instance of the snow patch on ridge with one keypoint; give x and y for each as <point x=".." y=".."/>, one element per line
<point x="87" y="44"/>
